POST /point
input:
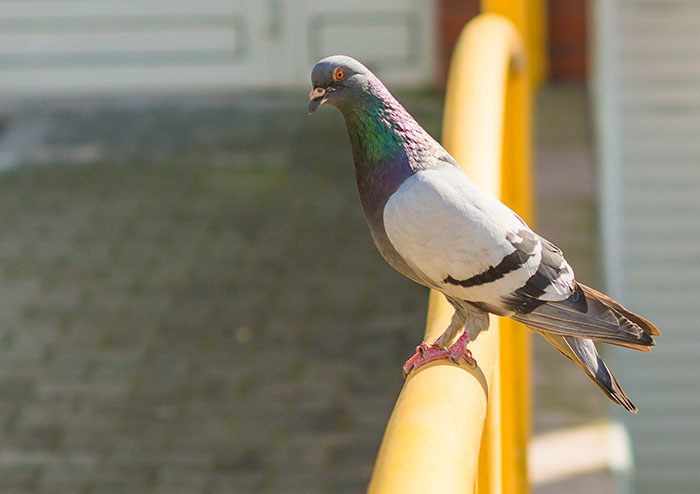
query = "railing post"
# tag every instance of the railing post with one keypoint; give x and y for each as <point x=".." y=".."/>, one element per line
<point x="433" y="441"/>
<point x="516" y="192"/>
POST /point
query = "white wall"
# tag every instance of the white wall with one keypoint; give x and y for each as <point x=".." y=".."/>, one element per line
<point x="647" y="64"/>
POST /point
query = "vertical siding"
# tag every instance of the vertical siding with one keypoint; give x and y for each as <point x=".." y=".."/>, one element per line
<point x="649" y="129"/>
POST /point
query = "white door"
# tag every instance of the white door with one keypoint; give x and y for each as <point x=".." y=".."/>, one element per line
<point x="51" y="47"/>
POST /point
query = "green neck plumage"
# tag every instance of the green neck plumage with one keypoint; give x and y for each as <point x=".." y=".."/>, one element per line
<point x="374" y="133"/>
<point x="385" y="138"/>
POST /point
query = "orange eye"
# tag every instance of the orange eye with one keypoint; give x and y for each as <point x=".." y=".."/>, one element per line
<point x="339" y="74"/>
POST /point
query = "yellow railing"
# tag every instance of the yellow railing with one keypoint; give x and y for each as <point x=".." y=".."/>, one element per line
<point x="455" y="429"/>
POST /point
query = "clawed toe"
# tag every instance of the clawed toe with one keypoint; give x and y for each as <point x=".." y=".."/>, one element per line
<point x="469" y="359"/>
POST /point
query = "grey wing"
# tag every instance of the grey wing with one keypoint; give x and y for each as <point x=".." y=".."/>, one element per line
<point x="553" y="281"/>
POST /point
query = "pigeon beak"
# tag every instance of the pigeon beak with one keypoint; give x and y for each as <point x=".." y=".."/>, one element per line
<point x="317" y="97"/>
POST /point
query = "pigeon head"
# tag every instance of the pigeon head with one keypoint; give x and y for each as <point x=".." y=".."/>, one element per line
<point x="339" y="80"/>
<point x="380" y="129"/>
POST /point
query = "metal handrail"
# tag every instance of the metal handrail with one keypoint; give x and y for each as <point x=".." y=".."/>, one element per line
<point x="455" y="429"/>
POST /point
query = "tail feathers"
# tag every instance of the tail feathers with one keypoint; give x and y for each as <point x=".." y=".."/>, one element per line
<point x="584" y="353"/>
<point x="590" y="314"/>
<point x="646" y="326"/>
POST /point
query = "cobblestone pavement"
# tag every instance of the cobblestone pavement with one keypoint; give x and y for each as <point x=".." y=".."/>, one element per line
<point x="190" y="301"/>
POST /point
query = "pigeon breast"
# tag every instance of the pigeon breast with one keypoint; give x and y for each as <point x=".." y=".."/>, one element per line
<point x="469" y="245"/>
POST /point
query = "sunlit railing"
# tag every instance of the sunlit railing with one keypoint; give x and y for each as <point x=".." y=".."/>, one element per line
<point x="456" y="429"/>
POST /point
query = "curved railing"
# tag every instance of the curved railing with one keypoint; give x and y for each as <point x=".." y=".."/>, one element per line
<point x="455" y="429"/>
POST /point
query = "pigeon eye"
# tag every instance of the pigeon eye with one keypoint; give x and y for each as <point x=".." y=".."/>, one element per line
<point x="339" y="74"/>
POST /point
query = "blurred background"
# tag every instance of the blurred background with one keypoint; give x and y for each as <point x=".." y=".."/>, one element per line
<point x="190" y="301"/>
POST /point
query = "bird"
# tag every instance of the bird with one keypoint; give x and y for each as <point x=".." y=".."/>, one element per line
<point x="434" y="225"/>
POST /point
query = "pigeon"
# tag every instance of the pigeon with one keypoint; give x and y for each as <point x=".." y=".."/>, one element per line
<point x="435" y="226"/>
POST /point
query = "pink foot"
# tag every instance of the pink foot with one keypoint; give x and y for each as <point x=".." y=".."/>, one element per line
<point x="427" y="353"/>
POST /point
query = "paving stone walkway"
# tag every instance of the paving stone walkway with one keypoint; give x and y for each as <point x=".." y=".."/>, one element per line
<point x="190" y="301"/>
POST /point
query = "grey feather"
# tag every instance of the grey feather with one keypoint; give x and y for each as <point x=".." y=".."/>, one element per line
<point x="584" y="353"/>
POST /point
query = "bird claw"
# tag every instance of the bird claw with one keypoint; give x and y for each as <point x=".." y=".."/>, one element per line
<point x="470" y="360"/>
<point x="414" y="361"/>
<point x="427" y="353"/>
<point x="467" y="356"/>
